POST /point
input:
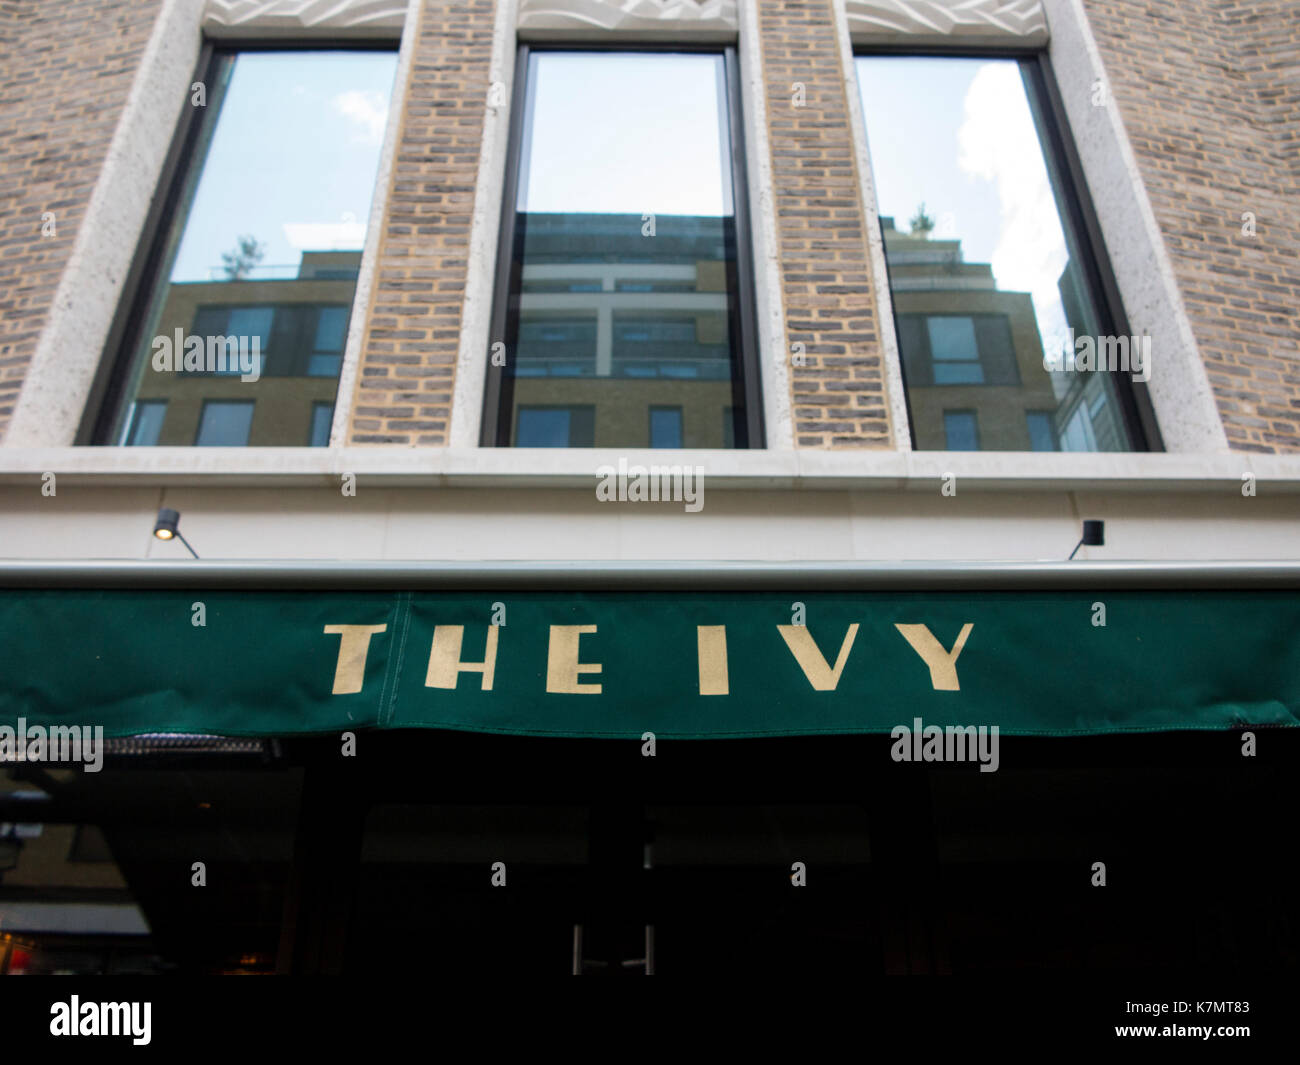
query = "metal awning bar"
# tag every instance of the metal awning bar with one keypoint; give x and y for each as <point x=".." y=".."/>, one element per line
<point x="650" y="576"/>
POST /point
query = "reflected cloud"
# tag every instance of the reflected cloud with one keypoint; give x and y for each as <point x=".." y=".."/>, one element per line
<point x="998" y="143"/>
<point x="325" y="236"/>
<point x="367" y="109"/>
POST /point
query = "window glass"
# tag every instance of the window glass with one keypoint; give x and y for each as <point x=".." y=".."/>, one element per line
<point x="1042" y="437"/>
<point x="665" y="427"/>
<point x="88" y="867"/>
<point x="624" y="295"/>
<point x="225" y="424"/>
<point x="264" y="247"/>
<point x="986" y="275"/>
<point x="555" y="426"/>
<point x="322" y="416"/>
<point x="144" y="423"/>
<point x="959" y="430"/>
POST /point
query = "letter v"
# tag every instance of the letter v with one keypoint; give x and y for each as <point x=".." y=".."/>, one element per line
<point x="822" y="677"/>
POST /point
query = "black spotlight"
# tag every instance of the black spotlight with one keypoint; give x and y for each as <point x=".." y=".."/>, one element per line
<point x="1094" y="535"/>
<point x="168" y="526"/>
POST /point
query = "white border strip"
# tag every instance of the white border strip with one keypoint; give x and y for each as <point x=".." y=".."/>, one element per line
<point x="891" y="361"/>
<point x="742" y="469"/>
<point x="773" y="346"/>
<point x="1180" y="390"/>
<point x="362" y="300"/>
<point x="489" y="187"/>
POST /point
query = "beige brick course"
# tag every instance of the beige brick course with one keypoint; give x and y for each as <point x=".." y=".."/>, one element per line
<point x="408" y="358"/>
<point x="838" y="395"/>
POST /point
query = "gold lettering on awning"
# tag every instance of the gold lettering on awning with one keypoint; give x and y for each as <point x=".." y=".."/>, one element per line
<point x="943" y="664"/>
<point x="354" y="646"/>
<point x="821" y="676"/>
<point x="711" y="641"/>
<point x="562" y="666"/>
<point x="445" y="666"/>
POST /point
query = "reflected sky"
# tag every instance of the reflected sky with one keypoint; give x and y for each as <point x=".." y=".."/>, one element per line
<point x="293" y="158"/>
<point x="958" y="135"/>
<point x="625" y="133"/>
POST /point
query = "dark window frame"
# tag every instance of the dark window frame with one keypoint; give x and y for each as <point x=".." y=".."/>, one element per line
<point x="1079" y="220"/>
<point x="495" y="429"/>
<point x="125" y="335"/>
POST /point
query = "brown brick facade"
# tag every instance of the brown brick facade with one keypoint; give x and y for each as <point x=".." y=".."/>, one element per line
<point x="838" y="394"/>
<point x="1208" y="91"/>
<point x="65" y="71"/>
<point x="1210" y="96"/>
<point x="408" y="361"/>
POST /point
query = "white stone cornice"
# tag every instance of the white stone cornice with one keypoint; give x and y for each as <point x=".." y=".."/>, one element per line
<point x="695" y="17"/>
<point x="282" y="15"/>
<point x="947" y="21"/>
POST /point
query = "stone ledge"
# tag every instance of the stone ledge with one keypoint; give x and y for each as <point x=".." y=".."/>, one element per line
<point x="725" y="470"/>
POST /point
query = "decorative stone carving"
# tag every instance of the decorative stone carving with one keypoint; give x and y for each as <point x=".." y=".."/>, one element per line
<point x="300" y="14"/>
<point x="629" y="15"/>
<point x="947" y="20"/>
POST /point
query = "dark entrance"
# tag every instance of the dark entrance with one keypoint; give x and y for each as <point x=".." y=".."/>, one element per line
<point x="615" y="863"/>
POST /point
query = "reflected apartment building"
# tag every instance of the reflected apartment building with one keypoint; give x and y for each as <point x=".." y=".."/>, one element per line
<point x="623" y="334"/>
<point x="297" y="324"/>
<point x="973" y="357"/>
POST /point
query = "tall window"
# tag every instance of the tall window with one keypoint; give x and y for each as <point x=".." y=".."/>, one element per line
<point x="234" y="335"/>
<point x="624" y="287"/>
<point x="998" y="292"/>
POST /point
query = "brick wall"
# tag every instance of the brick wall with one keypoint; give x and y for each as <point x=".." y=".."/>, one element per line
<point x="408" y="361"/>
<point x="1209" y="91"/>
<point x="839" y="394"/>
<point x="65" y="71"/>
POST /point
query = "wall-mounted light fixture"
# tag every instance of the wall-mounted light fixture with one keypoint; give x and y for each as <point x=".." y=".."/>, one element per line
<point x="1094" y="535"/>
<point x="168" y="527"/>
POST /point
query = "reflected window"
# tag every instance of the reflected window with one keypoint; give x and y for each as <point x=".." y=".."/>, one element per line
<point x="258" y="259"/>
<point x="622" y="259"/>
<point x="144" y="422"/>
<point x="555" y="426"/>
<point x="989" y="273"/>
<point x="327" y="349"/>
<point x="1042" y="436"/>
<point x="960" y="430"/>
<point x="225" y="424"/>
<point x="322" y="416"/>
<point x="665" y="426"/>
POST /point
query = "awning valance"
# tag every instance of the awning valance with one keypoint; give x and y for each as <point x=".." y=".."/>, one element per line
<point x="674" y="662"/>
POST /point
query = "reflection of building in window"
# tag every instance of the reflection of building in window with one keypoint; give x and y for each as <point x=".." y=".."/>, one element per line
<point x="974" y="349"/>
<point x="961" y="433"/>
<point x="632" y="331"/>
<point x="301" y="326"/>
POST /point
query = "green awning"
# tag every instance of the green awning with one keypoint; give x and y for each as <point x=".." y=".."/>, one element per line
<point x="676" y="663"/>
